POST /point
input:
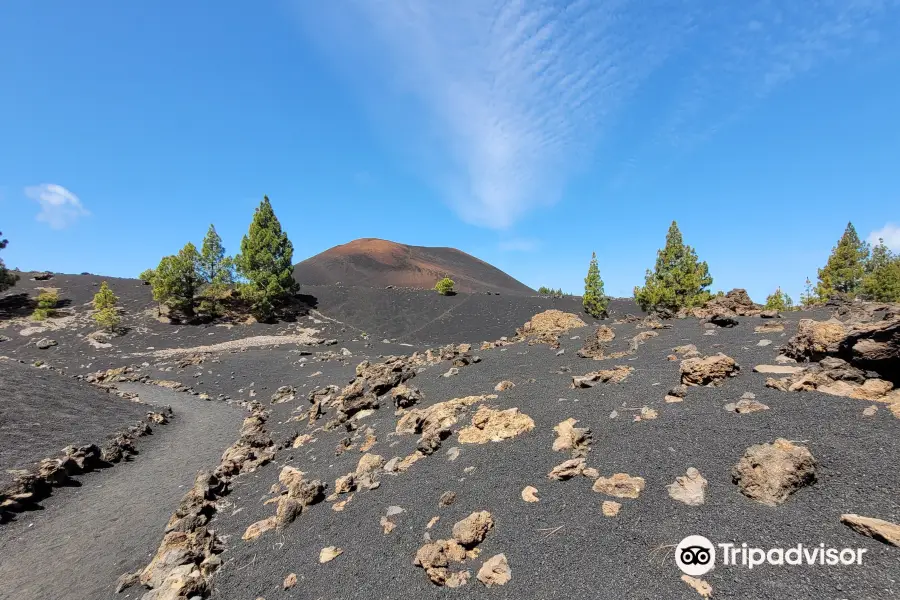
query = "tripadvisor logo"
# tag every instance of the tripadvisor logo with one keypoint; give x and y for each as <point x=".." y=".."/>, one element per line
<point x="695" y="555"/>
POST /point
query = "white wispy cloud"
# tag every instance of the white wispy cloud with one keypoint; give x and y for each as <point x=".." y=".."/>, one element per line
<point x="518" y="92"/>
<point x="519" y="245"/>
<point x="890" y="233"/>
<point x="60" y="208"/>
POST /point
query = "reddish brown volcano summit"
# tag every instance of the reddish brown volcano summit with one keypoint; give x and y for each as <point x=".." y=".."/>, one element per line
<point x="377" y="263"/>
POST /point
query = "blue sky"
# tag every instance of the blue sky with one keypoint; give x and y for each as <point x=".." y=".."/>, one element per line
<point x="527" y="133"/>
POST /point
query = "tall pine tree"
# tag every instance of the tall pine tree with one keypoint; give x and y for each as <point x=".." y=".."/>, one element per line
<point x="845" y="269"/>
<point x="679" y="279"/>
<point x="265" y="262"/>
<point x="595" y="301"/>
<point x="213" y="267"/>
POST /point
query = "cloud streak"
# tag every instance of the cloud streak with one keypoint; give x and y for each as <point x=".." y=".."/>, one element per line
<point x="60" y="208"/>
<point x="516" y="90"/>
<point x="517" y="93"/>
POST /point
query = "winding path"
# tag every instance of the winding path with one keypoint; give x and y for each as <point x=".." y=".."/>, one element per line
<point x="86" y="536"/>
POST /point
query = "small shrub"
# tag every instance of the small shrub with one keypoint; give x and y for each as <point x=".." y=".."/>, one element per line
<point x="47" y="301"/>
<point x="106" y="314"/>
<point x="444" y="287"/>
<point x="779" y="301"/>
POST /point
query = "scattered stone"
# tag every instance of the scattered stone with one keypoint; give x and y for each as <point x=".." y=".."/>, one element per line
<point x="781" y="359"/>
<point x="405" y="396"/>
<point x="450" y="373"/>
<point x="595" y="345"/>
<point x="504" y="385"/>
<point x="576" y="440"/>
<point x="646" y="414"/>
<point x="432" y="522"/>
<point x="617" y="374"/>
<point x="436" y="557"/>
<point x="769" y="473"/>
<point x="453" y="453"/>
<point x="472" y="530"/>
<point x="770" y="314"/>
<point x="870" y="411"/>
<point x="567" y="470"/>
<point x="710" y="371"/>
<point x="329" y="553"/>
<point x="45" y="343"/>
<point x="489" y="425"/>
<point x="698" y="585"/>
<point x="434" y="422"/>
<point x="495" y="571"/>
<point x="260" y="527"/>
<point x="284" y="393"/>
<point x="883" y="531"/>
<point x="529" y="494"/>
<point x="610" y="508"/>
<point x="289" y="581"/>
<point x="836" y="377"/>
<point x="689" y="488"/>
<point x="746" y="405"/>
<point x="387" y="525"/>
<point x="764" y="342"/>
<point x="446" y="499"/>
<point x="620" y="485"/>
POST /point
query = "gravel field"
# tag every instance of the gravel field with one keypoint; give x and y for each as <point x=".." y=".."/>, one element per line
<point x="562" y="546"/>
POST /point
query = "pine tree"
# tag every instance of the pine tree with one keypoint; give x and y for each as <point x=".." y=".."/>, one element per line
<point x="882" y="280"/>
<point x="216" y="271"/>
<point x="214" y="267"/>
<point x="844" y="271"/>
<point x="175" y="280"/>
<point x="7" y="278"/>
<point x="679" y="279"/>
<point x="779" y="301"/>
<point x="106" y="314"/>
<point x="595" y="301"/>
<point x="808" y="297"/>
<point x="265" y="263"/>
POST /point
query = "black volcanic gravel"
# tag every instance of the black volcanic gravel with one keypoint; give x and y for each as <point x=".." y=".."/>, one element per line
<point x="561" y="547"/>
<point x="590" y="555"/>
<point x="42" y="412"/>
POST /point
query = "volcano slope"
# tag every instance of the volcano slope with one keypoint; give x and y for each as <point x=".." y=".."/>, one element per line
<point x="562" y="546"/>
<point x="378" y="263"/>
